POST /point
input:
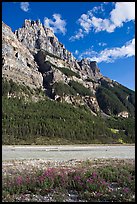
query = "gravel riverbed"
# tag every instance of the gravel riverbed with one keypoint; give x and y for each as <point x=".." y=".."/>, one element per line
<point x="68" y="152"/>
<point x="13" y="167"/>
<point x="18" y="159"/>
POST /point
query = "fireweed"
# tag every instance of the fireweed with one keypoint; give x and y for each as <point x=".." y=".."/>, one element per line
<point x="107" y="183"/>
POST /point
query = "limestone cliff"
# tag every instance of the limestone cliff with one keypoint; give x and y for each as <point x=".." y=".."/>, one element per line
<point x="17" y="61"/>
<point x="33" y="56"/>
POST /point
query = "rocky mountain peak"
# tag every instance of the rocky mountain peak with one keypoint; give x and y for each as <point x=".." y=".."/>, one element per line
<point x="35" y="36"/>
<point x="29" y="23"/>
<point x="84" y="61"/>
<point x="18" y="63"/>
<point x="39" y="73"/>
<point x="33" y="56"/>
<point x="90" y="69"/>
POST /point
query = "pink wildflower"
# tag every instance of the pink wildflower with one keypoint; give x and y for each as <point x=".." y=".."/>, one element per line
<point x="104" y="182"/>
<point x="19" y="180"/>
<point x="126" y="190"/>
<point x="49" y="172"/>
<point x="94" y="174"/>
<point x="41" y="178"/>
<point x="90" y="180"/>
<point x="98" y="194"/>
<point x="77" y="178"/>
<point x="27" y="179"/>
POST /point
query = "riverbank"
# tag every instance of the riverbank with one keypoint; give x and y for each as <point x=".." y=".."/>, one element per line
<point x="69" y="181"/>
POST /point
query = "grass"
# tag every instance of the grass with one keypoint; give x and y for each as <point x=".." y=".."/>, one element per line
<point x="114" y="130"/>
<point x="97" y="180"/>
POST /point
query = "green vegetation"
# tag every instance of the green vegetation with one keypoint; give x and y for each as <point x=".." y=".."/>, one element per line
<point x="47" y="121"/>
<point x="50" y="54"/>
<point x="110" y="182"/>
<point x="115" y="99"/>
<point x="79" y="88"/>
<point x="126" y="127"/>
<point x="12" y="88"/>
<point x="26" y="122"/>
<point x="89" y="80"/>
<point x="126" y="96"/>
<point x="108" y="101"/>
<point x="63" y="89"/>
<point x="68" y="72"/>
<point x="114" y="130"/>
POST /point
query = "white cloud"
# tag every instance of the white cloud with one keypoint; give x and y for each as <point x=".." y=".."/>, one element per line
<point x="57" y="25"/>
<point x="102" y="44"/>
<point x="123" y="12"/>
<point x="100" y="24"/>
<point x="110" y="55"/>
<point x="24" y="6"/>
<point x="85" y="22"/>
<point x="89" y="53"/>
<point x="76" y="52"/>
<point x="99" y="8"/>
<point x="77" y="36"/>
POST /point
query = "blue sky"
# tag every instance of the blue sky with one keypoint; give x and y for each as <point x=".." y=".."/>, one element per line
<point x="100" y="31"/>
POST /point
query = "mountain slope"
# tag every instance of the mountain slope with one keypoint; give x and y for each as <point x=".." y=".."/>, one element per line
<point x="39" y="72"/>
<point x="34" y="56"/>
<point x="45" y="121"/>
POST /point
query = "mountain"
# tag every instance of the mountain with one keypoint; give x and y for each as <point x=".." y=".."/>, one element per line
<point x="36" y="67"/>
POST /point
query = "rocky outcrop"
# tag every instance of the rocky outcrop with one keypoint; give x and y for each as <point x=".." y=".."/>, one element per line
<point x="88" y="101"/>
<point x="36" y="37"/>
<point x="17" y="62"/>
<point x="39" y="39"/>
<point x="123" y="114"/>
<point x="33" y="56"/>
<point x="89" y="69"/>
<point x="92" y="103"/>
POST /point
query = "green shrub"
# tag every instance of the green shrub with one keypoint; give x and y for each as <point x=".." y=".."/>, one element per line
<point x="68" y="72"/>
<point x="108" y="101"/>
<point x="121" y="93"/>
<point x="47" y="122"/>
<point x="96" y="182"/>
<point x="63" y="89"/>
<point x="79" y="88"/>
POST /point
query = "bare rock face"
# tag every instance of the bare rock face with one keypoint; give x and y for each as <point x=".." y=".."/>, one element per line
<point x="123" y="114"/>
<point x="89" y="69"/>
<point x="33" y="56"/>
<point x="44" y="45"/>
<point x="89" y="101"/>
<point x="36" y="37"/>
<point x="92" y="103"/>
<point x="17" y="62"/>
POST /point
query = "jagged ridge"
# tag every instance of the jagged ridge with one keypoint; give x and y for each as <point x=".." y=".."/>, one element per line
<point x="33" y="56"/>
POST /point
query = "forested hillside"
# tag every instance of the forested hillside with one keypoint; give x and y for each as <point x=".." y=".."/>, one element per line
<point x="45" y="121"/>
<point x="50" y="97"/>
<point x="116" y="99"/>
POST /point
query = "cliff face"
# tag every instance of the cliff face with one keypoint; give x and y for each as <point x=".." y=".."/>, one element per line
<point x="17" y="61"/>
<point x="36" y="37"/>
<point x="33" y="56"/>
